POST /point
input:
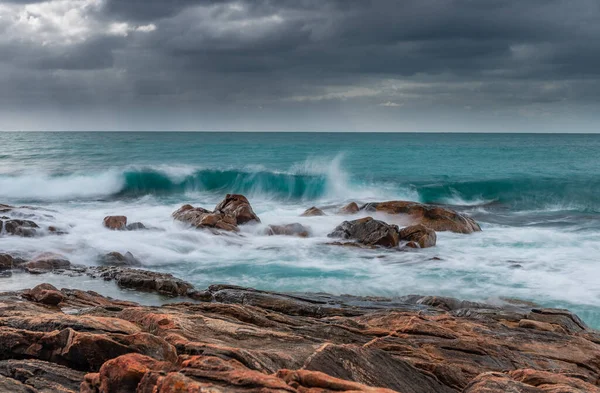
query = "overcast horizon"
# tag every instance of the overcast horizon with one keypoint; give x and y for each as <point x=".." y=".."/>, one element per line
<point x="355" y="66"/>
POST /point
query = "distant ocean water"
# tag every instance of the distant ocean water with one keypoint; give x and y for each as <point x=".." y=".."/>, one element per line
<point x="537" y="197"/>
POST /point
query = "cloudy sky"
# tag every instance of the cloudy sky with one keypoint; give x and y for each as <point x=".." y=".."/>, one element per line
<point x="313" y="65"/>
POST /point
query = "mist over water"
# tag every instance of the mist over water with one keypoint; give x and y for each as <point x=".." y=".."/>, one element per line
<point x="535" y="196"/>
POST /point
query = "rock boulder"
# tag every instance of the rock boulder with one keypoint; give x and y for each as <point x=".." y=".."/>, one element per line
<point x="202" y="218"/>
<point x="115" y="222"/>
<point x="368" y="231"/>
<point x="312" y="212"/>
<point x="419" y="234"/>
<point x="435" y="217"/>
<point x="237" y="206"/>
<point x="294" y="229"/>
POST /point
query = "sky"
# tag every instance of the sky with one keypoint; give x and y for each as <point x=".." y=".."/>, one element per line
<point x="301" y="65"/>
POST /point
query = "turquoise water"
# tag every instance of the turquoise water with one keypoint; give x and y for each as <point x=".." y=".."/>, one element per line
<point x="536" y="196"/>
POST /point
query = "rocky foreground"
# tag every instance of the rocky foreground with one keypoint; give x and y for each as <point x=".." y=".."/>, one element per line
<point x="233" y="339"/>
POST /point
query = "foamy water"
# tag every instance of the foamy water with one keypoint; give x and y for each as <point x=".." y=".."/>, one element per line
<point x="545" y="251"/>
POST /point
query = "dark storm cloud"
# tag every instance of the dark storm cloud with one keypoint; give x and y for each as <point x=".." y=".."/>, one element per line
<point x="426" y="55"/>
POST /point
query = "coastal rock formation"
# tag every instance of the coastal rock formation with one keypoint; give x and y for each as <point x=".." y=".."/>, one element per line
<point x="6" y="262"/>
<point x="115" y="222"/>
<point x="202" y="218"/>
<point x="143" y="280"/>
<point x="117" y="259"/>
<point x="294" y="229"/>
<point x="435" y="217"/>
<point x="46" y="262"/>
<point x="45" y="294"/>
<point x="368" y="231"/>
<point x="135" y="226"/>
<point x="419" y="234"/>
<point x="312" y="212"/>
<point x="351" y="208"/>
<point x="241" y="339"/>
<point x="237" y="206"/>
<point x="23" y="228"/>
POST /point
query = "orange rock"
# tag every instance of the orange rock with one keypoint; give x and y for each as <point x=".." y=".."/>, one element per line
<point x="434" y="217"/>
<point x="115" y="222"/>
<point x="237" y="206"/>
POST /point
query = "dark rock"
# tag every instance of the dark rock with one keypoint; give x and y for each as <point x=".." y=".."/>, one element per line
<point x="45" y="294"/>
<point x="135" y="226"/>
<point x="24" y="228"/>
<point x="237" y="206"/>
<point x="202" y="218"/>
<point x="41" y="376"/>
<point x="56" y="231"/>
<point x="373" y="367"/>
<point x="117" y="259"/>
<point x="115" y="222"/>
<point x="294" y="229"/>
<point x="47" y="262"/>
<point x="420" y="234"/>
<point x="368" y="231"/>
<point x="435" y="217"/>
<point x="351" y="208"/>
<point x="6" y="262"/>
<point x="313" y="211"/>
<point x="147" y="281"/>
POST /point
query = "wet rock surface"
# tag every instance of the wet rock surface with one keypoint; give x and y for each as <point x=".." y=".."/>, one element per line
<point x="421" y="235"/>
<point x="201" y="218"/>
<point x="117" y="259"/>
<point x="435" y="217"/>
<point x="294" y="229"/>
<point x="237" y="206"/>
<point x="312" y="212"/>
<point x="116" y="223"/>
<point x="242" y="339"/>
<point x="368" y="231"/>
<point x="23" y="228"/>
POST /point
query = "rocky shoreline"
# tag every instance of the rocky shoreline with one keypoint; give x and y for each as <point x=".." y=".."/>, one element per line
<point x="233" y="339"/>
<point x="227" y="338"/>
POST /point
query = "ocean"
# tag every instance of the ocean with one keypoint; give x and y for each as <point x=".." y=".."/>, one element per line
<point x="536" y="196"/>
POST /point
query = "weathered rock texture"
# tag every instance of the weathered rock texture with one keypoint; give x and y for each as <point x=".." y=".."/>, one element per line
<point x="115" y="222"/>
<point x="237" y="206"/>
<point x="294" y="229"/>
<point x="312" y="212"/>
<point x="421" y="235"/>
<point x="246" y="340"/>
<point x="435" y="217"/>
<point x="368" y="231"/>
<point x="234" y="210"/>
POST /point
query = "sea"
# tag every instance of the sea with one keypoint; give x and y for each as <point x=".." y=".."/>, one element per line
<point x="536" y="197"/>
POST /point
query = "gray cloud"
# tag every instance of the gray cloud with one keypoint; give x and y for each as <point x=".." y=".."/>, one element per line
<point x="307" y="64"/>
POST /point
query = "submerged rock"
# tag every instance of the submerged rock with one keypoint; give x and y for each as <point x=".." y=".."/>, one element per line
<point x="313" y="211"/>
<point x="237" y="206"/>
<point x="143" y="280"/>
<point x="435" y="217"/>
<point x="294" y="229"/>
<point x="115" y="222"/>
<point x="117" y="259"/>
<point x="421" y="235"/>
<point x="47" y="262"/>
<point x="350" y="208"/>
<point x="368" y="231"/>
<point x="135" y="226"/>
<point x="23" y="228"/>
<point x="6" y="262"/>
<point x="202" y="218"/>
